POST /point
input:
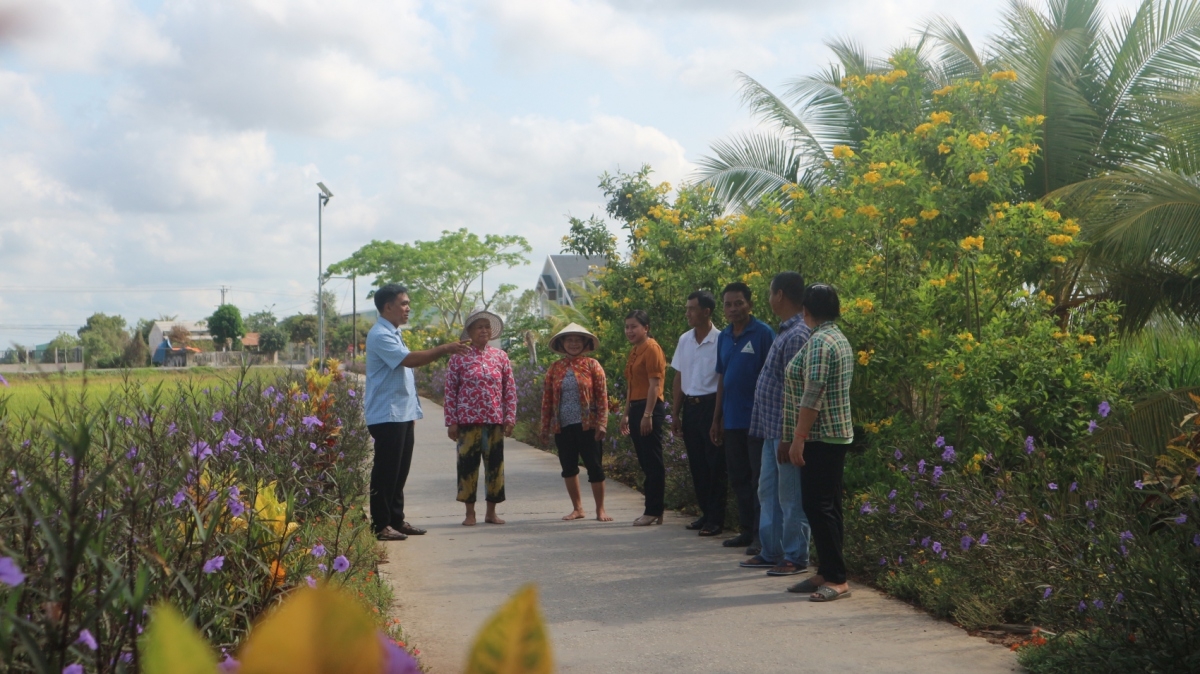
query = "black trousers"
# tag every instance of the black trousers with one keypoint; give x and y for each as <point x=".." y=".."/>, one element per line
<point x="706" y="460"/>
<point x="743" y="454"/>
<point x="389" y="472"/>
<point x="574" y="443"/>
<point x="821" y="494"/>
<point x="650" y="454"/>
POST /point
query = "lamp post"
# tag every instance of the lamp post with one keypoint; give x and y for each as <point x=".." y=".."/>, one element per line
<point x="322" y="198"/>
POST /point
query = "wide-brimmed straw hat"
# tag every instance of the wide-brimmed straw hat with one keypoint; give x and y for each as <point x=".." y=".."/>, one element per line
<point x="496" y="321"/>
<point x="590" y="341"/>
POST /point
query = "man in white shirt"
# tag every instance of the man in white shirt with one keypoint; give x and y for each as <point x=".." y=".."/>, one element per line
<point x="694" y="398"/>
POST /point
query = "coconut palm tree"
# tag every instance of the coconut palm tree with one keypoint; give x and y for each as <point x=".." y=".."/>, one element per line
<point x="1121" y="103"/>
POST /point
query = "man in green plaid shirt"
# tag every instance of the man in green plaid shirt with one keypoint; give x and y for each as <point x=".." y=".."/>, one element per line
<point x="817" y="425"/>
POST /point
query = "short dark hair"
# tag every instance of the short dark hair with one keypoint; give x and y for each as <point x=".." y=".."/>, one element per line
<point x="791" y="284"/>
<point x="639" y="316"/>
<point x="738" y="287"/>
<point x="705" y="299"/>
<point x="386" y="294"/>
<point x="821" y="301"/>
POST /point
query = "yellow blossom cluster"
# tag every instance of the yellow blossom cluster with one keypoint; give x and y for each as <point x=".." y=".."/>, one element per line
<point x="869" y="211"/>
<point x="943" y="148"/>
<point x="1058" y="259"/>
<point x="908" y="222"/>
<point x="945" y="91"/>
<point x="1087" y="339"/>
<point x="972" y="242"/>
<point x="842" y="152"/>
<point x="1059" y="239"/>
<point x="871" y="177"/>
<point x="864" y="357"/>
<point x="978" y="177"/>
<point x="837" y="212"/>
<point x="925" y="333"/>
<point x="979" y="141"/>
<point x="1069" y="227"/>
<point x="1023" y="153"/>
<point x="1004" y="76"/>
<point x="942" y="117"/>
<point x="865" y="305"/>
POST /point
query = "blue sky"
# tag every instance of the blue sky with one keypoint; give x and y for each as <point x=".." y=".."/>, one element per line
<point x="152" y="151"/>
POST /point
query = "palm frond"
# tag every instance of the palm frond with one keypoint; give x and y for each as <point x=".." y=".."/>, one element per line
<point x="1149" y="58"/>
<point x="747" y="166"/>
<point x="829" y="115"/>
<point x="852" y="56"/>
<point x="958" y="58"/>
<point x="1050" y="57"/>
<point x="769" y="108"/>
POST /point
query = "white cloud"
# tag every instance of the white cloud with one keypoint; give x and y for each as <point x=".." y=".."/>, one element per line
<point x="66" y="35"/>
<point x="540" y="32"/>
<point x="19" y="100"/>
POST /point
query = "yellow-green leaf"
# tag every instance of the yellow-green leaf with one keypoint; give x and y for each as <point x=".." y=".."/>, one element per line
<point x="172" y="646"/>
<point x="514" y="639"/>
<point x="315" y="631"/>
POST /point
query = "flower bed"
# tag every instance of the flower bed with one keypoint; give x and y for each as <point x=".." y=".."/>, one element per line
<point x="217" y="499"/>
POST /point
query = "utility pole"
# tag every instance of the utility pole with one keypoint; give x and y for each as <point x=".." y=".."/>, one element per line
<point x="354" y="317"/>
<point x="323" y="198"/>
<point x="224" y="289"/>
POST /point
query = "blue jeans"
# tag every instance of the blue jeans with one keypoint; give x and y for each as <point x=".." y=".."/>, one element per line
<point x="782" y="526"/>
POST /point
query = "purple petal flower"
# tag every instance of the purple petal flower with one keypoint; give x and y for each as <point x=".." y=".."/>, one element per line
<point x="10" y="573"/>
<point x="213" y="565"/>
<point x="1196" y="540"/>
<point x="341" y="564"/>
<point x="937" y="546"/>
<point x="395" y="659"/>
<point x="232" y="438"/>
<point x="73" y="669"/>
<point x="1138" y="484"/>
<point x="949" y="455"/>
<point x="1046" y="594"/>
<point x="1029" y="444"/>
<point x="1074" y="486"/>
<point x="1022" y="517"/>
<point x="983" y="539"/>
<point x="236" y="508"/>
<point x="201" y="451"/>
<point x="892" y="509"/>
<point x="1082" y="606"/>
<point x="179" y="498"/>
<point x="1048" y="517"/>
<point x="1105" y="408"/>
<point x="938" y="473"/>
<point x="1119" y="598"/>
<point x="172" y="429"/>
<point x="3" y="381"/>
<point x="866" y="508"/>
<point x="218" y="415"/>
<point x="1098" y="604"/>
<point x="948" y="514"/>
<point x="892" y="495"/>
<point x="940" y="442"/>
<point x="925" y="542"/>
<point x="1127" y="535"/>
<point x="318" y="550"/>
<point x="920" y="505"/>
<point x="966" y="542"/>
<point x="883" y="561"/>
<point x="898" y="454"/>
<point x="86" y="638"/>
<point x="229" y="665"/>
<point x="1052" y="486"/>
<point x="1124" y="551"/>
<point x="312" y="582"/>
<point x="311" y="422"/>
<point x="352" y="393"/>
<point x="1181" y="519"/>
<point x="921" y="466"/>
<point x="1092" y="426"/>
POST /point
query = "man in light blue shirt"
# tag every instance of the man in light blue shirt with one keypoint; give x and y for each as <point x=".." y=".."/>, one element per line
<point x="391" y="407"/>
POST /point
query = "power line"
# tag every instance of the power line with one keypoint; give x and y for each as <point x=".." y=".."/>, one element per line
<point x="93" y="290"/>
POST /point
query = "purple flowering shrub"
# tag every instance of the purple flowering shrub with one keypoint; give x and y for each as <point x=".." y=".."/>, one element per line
<point x="1075" y="548"/>
<point x="218" y="500"/>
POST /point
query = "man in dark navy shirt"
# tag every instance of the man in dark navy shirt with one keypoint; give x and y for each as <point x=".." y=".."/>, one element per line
<point x="741" y="352"/>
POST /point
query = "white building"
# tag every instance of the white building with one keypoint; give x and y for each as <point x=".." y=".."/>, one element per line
<point x="559" y="274"/>
<point x="198" y="330"/>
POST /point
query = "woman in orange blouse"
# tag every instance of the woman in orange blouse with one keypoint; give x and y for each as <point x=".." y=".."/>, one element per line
<point x="644" y="411"/>
<point x="575" y="411"/>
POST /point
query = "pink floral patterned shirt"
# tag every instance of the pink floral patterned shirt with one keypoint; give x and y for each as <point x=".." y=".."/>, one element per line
<point x="480" y="388"/>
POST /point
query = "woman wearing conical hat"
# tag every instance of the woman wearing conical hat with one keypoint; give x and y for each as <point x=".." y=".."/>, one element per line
<point x="575" y="412"/>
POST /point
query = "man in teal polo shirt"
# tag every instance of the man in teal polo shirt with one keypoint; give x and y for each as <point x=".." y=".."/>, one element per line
<point x="741" y="352"/>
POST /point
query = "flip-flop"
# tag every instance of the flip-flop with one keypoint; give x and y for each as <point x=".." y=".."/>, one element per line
<point x="826" y="593"/>
<point x="805" y="586"/>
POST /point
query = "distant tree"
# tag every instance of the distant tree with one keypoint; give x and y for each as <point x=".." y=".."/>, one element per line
<point x="442" y="274"/>
<point x="260" y="321"/>
<point x="590" y="237"/>
<point x="63" y="344"/>
<point x="301" y="328"/>
<point x="179" y="336"/>
<point x="331" y="306"/>
<point x="104" y="339"/>
<point x="225" y="325"/>
<point x="137" y="353"/>
<point x="272" y="340"/>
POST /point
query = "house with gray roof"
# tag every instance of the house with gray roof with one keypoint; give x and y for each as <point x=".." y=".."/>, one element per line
<point x="561" y="276"/>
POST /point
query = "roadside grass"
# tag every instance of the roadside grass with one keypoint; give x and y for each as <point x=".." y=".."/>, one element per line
<point x="36" y="394"/>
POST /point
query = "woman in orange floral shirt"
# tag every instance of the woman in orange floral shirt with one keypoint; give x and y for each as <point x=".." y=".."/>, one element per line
<point x="575" y="411"/>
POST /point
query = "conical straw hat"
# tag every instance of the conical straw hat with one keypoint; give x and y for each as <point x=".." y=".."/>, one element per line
<point x="574" y="329"/>
<point x="496" y="321"/>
